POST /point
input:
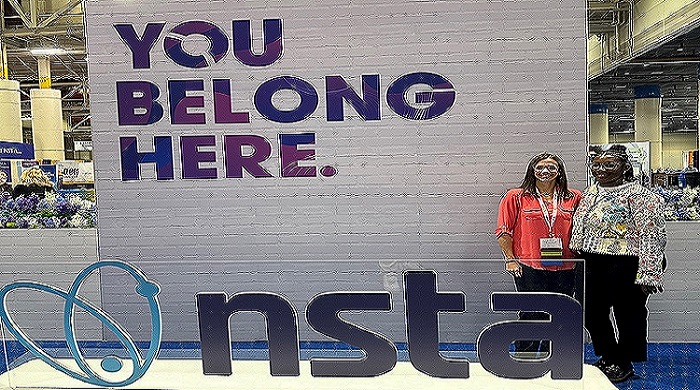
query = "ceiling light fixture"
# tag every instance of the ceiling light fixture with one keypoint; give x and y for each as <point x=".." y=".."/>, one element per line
<point x="47" y="51"/>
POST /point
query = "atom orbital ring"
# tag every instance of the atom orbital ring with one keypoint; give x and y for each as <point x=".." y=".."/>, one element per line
<point x="145" y="288"/>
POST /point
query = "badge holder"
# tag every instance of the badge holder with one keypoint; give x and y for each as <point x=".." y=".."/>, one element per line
<point x="551" y="248"/>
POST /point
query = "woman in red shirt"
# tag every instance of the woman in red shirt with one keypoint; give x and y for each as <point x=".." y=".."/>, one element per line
<point x="534" y="228"/>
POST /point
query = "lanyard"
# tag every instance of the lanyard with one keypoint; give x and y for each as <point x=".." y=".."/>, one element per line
<point x="547" y="220"/>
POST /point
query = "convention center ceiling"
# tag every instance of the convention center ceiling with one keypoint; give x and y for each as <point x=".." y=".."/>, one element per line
<point x="672" y="64"/>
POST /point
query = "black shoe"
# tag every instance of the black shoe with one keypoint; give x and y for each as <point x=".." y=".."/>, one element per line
<point x="601" y="364"/>
<point x="618" y="373"/>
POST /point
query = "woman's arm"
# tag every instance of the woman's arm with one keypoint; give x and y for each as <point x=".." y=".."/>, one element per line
<point x="648" y="216"/>
<point x="512" y="265"/>
<point x="506" y="243"/>
<point x="507" y="218"/>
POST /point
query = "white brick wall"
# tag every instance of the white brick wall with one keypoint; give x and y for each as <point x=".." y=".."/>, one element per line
<point x="418" y="189"/>
<point x="54" y="257"/>
<point x="404" y="189"/>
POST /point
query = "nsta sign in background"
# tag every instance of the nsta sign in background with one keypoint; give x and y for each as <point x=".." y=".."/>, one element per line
<point x="254" y="163"/>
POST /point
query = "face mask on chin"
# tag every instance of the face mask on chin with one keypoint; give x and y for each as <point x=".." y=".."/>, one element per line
<point x="545" y="177"/>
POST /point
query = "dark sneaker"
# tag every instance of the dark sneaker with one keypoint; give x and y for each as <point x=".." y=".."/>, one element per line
<point x="617" y="373"/>
<point x="601" y="364"/>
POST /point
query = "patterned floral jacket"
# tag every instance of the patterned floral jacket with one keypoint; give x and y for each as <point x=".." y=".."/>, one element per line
<point x="623" y="220"/>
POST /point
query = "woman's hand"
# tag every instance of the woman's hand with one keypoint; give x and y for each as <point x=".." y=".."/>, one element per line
<point x="513" y="268"/>
<point x="648" y="290"/>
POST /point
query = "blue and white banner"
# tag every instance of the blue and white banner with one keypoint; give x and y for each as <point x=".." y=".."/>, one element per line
<point x="16" y="150"/>
<point x="239" y="130"/>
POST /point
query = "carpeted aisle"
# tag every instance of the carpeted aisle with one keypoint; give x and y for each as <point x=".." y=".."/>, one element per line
<point x="669" y="367"/>
<point x="187" y="375"/>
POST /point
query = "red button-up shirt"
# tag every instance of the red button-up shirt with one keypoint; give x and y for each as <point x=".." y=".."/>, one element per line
<point x="520" y="216"/>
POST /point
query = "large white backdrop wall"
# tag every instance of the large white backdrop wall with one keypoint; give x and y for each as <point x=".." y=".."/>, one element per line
<point x="413" y="184"/>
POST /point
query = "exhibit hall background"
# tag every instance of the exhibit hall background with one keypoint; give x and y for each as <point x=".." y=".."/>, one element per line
<point x="457" y="193"/>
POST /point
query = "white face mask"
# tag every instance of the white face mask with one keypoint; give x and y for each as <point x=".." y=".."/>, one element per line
<point x="545" y="176"/>
<point x="546" y="170"/>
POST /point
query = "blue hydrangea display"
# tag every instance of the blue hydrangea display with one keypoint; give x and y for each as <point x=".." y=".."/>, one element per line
<point x="52" y="212"/>
<point x="682" y="204"/>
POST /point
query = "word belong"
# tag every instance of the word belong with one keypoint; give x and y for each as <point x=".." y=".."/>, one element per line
<point x="138" y="101"/>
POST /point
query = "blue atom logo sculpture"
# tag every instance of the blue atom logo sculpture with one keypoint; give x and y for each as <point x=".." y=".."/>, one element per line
<point x="111" y="364"/>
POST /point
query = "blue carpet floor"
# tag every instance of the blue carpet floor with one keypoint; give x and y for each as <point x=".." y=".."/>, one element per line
<point x="669" y="366"/>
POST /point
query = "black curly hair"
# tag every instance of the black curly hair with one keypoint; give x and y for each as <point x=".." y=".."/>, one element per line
<point x="615" y="151"/>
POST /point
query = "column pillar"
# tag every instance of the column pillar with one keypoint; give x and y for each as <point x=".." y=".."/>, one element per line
<point x="598" y="128"/>
<point x="647" y="121"/>
<point x="47" y="124"/>
<point x="44" y="72"/>
<point x="3" y="64"/>
<point x="10" y="115"/>
<point x="697" y="139"/>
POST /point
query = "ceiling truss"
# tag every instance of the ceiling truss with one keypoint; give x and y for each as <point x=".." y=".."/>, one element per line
<point x="25" y="25"/>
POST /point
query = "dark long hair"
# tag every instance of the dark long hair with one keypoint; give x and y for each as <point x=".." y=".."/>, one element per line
<point x="528" y="184"/>
<point x="615" y="151"/>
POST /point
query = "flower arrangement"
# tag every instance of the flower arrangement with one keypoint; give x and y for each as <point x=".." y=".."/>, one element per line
<point x="681" y="204"/>
<point x="53" y="211"/>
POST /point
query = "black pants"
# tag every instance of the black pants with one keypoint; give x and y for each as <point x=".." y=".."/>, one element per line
<point x="536" y="280"/>
<point x="610" y="285"/>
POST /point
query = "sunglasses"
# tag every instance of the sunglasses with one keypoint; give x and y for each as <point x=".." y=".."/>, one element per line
<point x="549" y="168"/>
<point x="606" y="165"/>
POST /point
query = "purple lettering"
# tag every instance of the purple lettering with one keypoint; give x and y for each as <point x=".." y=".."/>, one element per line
<point x="427" y="105"/>
<point x="173" y="44"/>
<point x="290" y="155"/>
<point x="222" y="104"/>
<point x="132" y="158"/>
<point x="306" y="91"/>
<point x="180" y="102"/>
<point x="140" y="47"/>
<point x="136" y="103"/>
<point x="192" y="156"/>
<point x="338" y="90"/>
<point x="242" y="42"/>
<point x="236" y="161"/>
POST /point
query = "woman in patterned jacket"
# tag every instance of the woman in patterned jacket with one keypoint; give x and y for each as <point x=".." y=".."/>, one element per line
<point x="619" y="230"/>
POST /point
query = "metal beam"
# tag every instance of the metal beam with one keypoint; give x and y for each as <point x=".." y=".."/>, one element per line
<point x="66" y="9"/>
<point x="2" y="17"/>
<point x="33" y="12"/>
<point x="87" y="118"/>
<point x="67" y="67"/>
<point x="665" y="61"/>
<point x="596" y="6"/>
<point x="31" y="70"/>
<point x="56" y="84"/>
<point x="20" y="12"/>
<point x="28" y="32"/>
